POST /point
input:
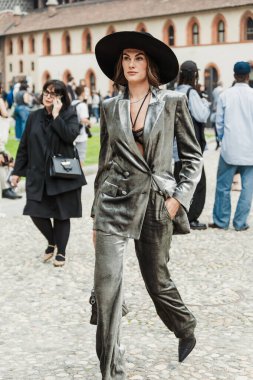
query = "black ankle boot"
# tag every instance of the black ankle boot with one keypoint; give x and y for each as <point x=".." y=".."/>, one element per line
<point x="185" y="347"/>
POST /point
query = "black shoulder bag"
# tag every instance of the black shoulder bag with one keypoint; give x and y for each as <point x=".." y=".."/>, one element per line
<point x="63" y="167"/>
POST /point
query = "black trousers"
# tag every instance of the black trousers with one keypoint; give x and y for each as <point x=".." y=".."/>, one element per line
<point x="56" y="233"/>
<point x="199" y="196"/>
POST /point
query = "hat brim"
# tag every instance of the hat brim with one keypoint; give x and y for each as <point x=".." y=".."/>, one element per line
<point x="109" y="48"/>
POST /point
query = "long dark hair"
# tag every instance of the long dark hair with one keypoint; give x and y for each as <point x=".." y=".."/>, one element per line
<point x="60" y="89"/>
<point x="152" y="72"/>
<point x="188" y="77"/>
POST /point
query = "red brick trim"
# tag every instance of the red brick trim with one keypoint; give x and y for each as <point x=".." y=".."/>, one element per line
<point x="110" y="30"/>
<point x="85" y="36"/>
<point x="9" y="46"/>
<point x="66" y="75"/>
<point x="46" y="44"/>
<point x="189" y="31"/>
<point x="165" y="37"/>
<point x="243" y="26"/>
<point x="215" y="24"/>
<point x="89" y="72"/>
<point x="31" y="44"/>
<point x="141" y="27"/>
<point x="66" y="43"/>
<point x="214" y="66"/>
<point x="20" y="43"/>
<point x="45" y="77"/>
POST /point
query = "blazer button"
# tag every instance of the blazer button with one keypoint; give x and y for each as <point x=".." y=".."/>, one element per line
<point x="126" y="174"/>
<point x="124" y="192"/>
<point x="160" y="192"/>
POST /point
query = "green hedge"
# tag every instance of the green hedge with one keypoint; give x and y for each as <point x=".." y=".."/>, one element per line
<point x="92" y="145"/>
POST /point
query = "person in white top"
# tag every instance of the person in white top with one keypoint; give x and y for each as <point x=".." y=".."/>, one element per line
<point x="199" y="109"/>
<point x="234" y="123"/>
<point x="83" y="118"/>
<point x="95" y="105"/>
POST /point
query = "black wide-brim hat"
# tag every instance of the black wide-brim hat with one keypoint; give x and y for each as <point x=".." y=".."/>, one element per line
<point x="109" y="48"/>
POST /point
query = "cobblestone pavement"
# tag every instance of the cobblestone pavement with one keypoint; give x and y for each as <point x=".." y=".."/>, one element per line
<point x="44" y="311"/>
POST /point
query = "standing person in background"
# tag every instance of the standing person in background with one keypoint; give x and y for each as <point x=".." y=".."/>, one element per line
<point x="95" y="105"/>
<point x="215" y="95"/>
<point x="3" y="115"/>
<point x="71" y="86"/>
<point x="50" y="131"/>
<point x="3" y="109"/>
<point x="6" y="161"/>
<point x="2" y="177"/>
<point x="136" y="195"/>
<point x="22" y="100"/>
<point x="199" y="109"/>
<point x="10" y="97"/>
<point x="234" y="123"/>
<point x="83" y="119"/>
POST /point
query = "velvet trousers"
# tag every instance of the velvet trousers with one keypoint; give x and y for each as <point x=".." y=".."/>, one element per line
<point x="152" y="250"/>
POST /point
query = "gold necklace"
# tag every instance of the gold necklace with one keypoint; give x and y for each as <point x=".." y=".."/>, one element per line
<point x="137" y="101"/>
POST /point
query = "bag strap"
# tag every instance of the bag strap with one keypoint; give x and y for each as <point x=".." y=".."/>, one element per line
<point x="52" y="154"/>
<point x="188" y="92"/>
<point x="75" y="105"/>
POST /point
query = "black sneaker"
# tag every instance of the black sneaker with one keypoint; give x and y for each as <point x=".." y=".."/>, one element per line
<point x="196" y="225"/>
<point x="10" y="194"/>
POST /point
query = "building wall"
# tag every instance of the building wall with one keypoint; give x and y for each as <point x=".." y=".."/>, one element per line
<point x="222" y="56"/>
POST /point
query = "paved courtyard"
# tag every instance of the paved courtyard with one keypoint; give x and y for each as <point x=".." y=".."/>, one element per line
<point x="44" y="311"/>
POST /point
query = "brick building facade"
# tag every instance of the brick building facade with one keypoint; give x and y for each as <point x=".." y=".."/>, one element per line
<point x="58" y="41"/>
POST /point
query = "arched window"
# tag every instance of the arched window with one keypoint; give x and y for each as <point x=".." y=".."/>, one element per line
<point x="21" y="67"/>
<point x="219" y="29"/>
<point x="141" y="27"/>
<point x="46" y="44"/>
<point x="171" y="36"/>
<point x="110" y="30"/>
<point x="246" y="26"/>
<point x="87" y="41"/>
<point x="169" y="33"/>
<point x="9" y="47"/>
<point x="66" y="75"/>
<point x="211" y="77"/>
<point x="221" y="32"/>
<point x="66" y="43"/>
<point x="249" y="29"/>
<point x="90" y="79"/>
<point x="20" y="45"/>
<point x="31" y="44"/>
<point x="193" y="32"/>
<point x="45" y="77"/>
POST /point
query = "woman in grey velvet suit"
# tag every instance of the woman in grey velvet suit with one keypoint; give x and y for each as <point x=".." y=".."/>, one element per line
<point x="136" y="195"/>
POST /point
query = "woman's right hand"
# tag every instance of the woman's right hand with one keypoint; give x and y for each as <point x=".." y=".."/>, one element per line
<point x="15" y="180"/>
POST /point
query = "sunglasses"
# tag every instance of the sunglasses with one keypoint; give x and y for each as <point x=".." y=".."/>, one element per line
<point x="51" y="94"/>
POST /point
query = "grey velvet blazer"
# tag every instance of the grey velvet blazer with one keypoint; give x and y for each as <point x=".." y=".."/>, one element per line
<point x="125" y="177"/>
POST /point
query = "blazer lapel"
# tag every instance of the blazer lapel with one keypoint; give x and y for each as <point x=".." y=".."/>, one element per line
<point x="155" y="109"/>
